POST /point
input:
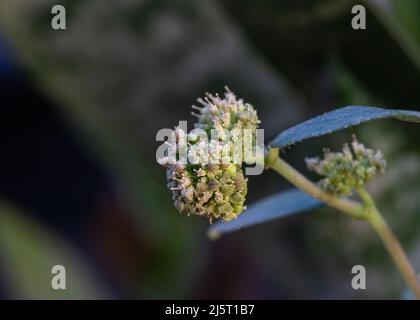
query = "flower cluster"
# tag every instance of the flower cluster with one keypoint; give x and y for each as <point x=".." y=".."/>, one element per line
<point x="225" y="114"/>
<point x="214" y="191"/>
<point x="215" y="187"/>
<point x="347" y="170"/>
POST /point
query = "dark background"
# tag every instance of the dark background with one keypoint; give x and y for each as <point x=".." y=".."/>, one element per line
<point x="80" y="108"/>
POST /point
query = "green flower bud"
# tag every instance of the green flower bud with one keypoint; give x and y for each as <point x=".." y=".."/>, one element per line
<point x="347" y="170"/>
<point x="225" y="208"/>
<point x="227" y="189"/>
<point x="237" y="208"/>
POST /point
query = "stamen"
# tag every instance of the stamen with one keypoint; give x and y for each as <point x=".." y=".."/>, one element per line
<point x="201" y="101"/>
<point x="196" y="108"/>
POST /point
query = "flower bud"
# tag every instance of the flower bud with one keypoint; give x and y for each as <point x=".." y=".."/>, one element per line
<point x="347" y="170"/>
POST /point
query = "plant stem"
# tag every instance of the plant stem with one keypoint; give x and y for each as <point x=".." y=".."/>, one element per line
<point x="352" y="208"/>
<point x="368" y="211"/>
<point x="390" y="241"/>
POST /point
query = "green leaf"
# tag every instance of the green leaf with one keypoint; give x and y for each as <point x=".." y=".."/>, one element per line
<point x="339" y="119"/>
<point x="28" y="251"/>
<point x="275" y="206"/>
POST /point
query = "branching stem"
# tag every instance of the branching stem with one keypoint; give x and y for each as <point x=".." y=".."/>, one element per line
<point x="391" y="242"/>
<point x="350" y="207"/>
<point x="367" y="211"/>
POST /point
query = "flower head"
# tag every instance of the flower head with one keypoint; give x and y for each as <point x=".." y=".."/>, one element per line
<point x="212" y="184"/>
<point x="347" y="170"/>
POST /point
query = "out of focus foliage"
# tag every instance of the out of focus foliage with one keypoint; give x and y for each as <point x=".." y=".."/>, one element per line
<point x="125" y="69"/>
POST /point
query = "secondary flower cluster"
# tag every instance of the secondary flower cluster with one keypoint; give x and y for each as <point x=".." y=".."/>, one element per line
<point x="214" y="190"/>
<point x="347" y="170"/>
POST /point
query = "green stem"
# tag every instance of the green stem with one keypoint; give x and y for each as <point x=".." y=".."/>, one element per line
<point x="368" y="211"/>
<point x="390" y="241"/>
<point x="352" y="208"/>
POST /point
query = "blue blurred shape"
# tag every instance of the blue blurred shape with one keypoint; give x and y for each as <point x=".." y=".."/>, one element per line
<point x="6" y="60"/>
<point x="272" y="207"/>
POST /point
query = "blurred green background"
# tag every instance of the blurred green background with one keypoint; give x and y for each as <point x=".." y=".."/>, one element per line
<point x="80" y="108"/>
